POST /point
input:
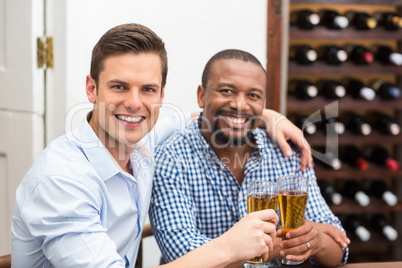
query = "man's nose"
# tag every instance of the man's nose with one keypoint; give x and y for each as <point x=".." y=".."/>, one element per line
<point x="240" y="102"/>
<point x="133" y="100"/>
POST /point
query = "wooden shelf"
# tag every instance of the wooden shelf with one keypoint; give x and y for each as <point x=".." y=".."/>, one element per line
<point x="378" y="247"/>
<point x="346" y="103"/>
<point x="347" y="68"/>
<point x="321" y="32"/>
<point x="349" y="206"/>
<point x="350" y="2"/>
<point x="320" y="138"/>
<point x="347" y="173"/>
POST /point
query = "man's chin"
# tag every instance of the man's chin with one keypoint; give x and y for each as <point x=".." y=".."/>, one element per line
<point x="223" y="140"/>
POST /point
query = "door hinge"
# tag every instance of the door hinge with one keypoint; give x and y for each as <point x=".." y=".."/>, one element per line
<point x="44" y="52"/>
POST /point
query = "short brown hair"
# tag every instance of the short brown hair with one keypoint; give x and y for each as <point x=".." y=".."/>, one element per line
<point x="127" y="38"/>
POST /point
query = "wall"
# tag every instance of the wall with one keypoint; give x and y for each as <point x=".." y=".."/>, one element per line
<point x="192" y="30"/>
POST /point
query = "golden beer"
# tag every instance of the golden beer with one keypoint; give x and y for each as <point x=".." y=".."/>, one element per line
<point x="292" y="208"/>
<point x="260" y="201"/>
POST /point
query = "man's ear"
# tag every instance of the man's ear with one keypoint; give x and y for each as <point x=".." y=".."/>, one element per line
<point x="201" y="96"/>
<point x="163" y="92"/>
<point x="91" y="89"/>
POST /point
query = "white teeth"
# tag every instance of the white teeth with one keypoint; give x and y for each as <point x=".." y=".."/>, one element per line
<point x="236" y="120"/>
<point x="130" y="119"/>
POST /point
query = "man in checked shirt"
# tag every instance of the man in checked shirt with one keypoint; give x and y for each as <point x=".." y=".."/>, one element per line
<point x="202" y="174"/>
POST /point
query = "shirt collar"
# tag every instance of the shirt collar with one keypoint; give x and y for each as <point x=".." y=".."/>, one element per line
<point x="96" y="152"/>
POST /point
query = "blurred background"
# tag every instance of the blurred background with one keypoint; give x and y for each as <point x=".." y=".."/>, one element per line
<point x="334" y="68"/>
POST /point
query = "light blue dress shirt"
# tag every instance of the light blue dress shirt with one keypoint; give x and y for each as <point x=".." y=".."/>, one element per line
<point x="77" y="208"/>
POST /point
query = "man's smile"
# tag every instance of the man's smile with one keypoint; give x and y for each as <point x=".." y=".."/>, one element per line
<point x="131" y="118"/>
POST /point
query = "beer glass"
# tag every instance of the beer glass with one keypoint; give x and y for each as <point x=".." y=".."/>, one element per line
<point x="293" y="195"/>
<point x="261" y="195"/>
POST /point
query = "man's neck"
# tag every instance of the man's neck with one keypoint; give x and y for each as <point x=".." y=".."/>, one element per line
<point x="121" y="156"/>
<point x="120" y="152"/>
<point x="234" y="157"/>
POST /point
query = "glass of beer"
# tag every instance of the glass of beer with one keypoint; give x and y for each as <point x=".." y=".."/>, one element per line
<point x="261" y="195"/>
<point x="293" y="195"/>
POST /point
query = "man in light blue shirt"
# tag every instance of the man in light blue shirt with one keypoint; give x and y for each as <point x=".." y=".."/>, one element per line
<point x="85" y="200"/>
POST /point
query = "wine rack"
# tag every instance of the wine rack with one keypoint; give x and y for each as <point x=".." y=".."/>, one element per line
<point x="377" y="248"/>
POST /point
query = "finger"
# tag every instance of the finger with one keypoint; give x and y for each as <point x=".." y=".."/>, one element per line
<point x="304" y="229"/>
<point x="300" y="249"/>
<point x="304" y="147"/>
<point x="306" y="158"/>
<point x="265" y="254"/>
<point x="279" y="232"/>
<point x="267" y="215"/>
<point x="270" y="229"/>
<point x="269" y="242"/>
<point x="298" y="258"/>
<point x="284" y="145"/>
<point x="342" y="239"/>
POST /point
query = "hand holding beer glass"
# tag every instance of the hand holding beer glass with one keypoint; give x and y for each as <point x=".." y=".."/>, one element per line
<point x="293" y="195"/>
<point x="261" y="195"/>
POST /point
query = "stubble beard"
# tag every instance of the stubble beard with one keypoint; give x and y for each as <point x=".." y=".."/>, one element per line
<point x="223" y="139"/>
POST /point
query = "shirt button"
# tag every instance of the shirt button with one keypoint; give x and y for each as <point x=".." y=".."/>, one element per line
<point x="134" y="186"/>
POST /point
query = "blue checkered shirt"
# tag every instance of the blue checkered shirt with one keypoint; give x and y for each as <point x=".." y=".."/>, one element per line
<point x="196" y="198"/>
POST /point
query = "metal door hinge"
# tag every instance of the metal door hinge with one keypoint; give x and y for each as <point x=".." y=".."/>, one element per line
<point x="44" y="52"/>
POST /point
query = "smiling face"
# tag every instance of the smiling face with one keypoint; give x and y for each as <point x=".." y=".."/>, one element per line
<point x="232" y="100"/>
<point x="127" y="100"/>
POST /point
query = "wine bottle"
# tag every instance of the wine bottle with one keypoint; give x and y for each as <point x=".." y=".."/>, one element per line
<point x="332" y="19"/>
<point x="332" y="54"/>
<point x="331" y="89"/>
<point x="353" y="223"/>
<point x="386" y="55"/>
<point x="380" y="156"/>
<point x="361" y="20"/>
<point x="303" y="122"/>
<point x="357" y="90"/>
<point x="379" y="222"/>
<point x="379" y="189"/>
<point x="354" y="191"/>
<point x="333" y="125"/>
<point x="304" y="19"/>
<point x="356" y="123"/>
<point x="386" y="90"/>
<point x="331" y="196"/>
<point x="354" y="157"/>
<point x="302" y="89"/>
<point x="328" y="158"/>
<point x="359" y="54"/>
<point x="383" y="123"/>
<point x="390" y="21"/>
<point x="302" y="54"/>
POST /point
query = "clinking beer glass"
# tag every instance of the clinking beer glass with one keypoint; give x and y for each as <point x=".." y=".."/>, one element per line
<point x="293" y="195"/>
<point x="261" y="195"/>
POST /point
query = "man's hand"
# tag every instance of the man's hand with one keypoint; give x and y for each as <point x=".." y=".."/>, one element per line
<point x="252" y="235"/>
<point x="280" y="129"/>
<point x="336" y="234"/>
<point x="321" y="239"/>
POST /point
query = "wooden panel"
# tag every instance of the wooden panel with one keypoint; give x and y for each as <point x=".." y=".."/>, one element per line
<point x="274" y="52"/>
<point x="349" y="2"/>
<point x="349" y="33"/>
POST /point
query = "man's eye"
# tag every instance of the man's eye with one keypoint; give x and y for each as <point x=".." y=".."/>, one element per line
<point x="255" y="96"/>
<point x="118" y="87"/>
<point x="148" y="89"/>
<point x="226" y="91"/>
